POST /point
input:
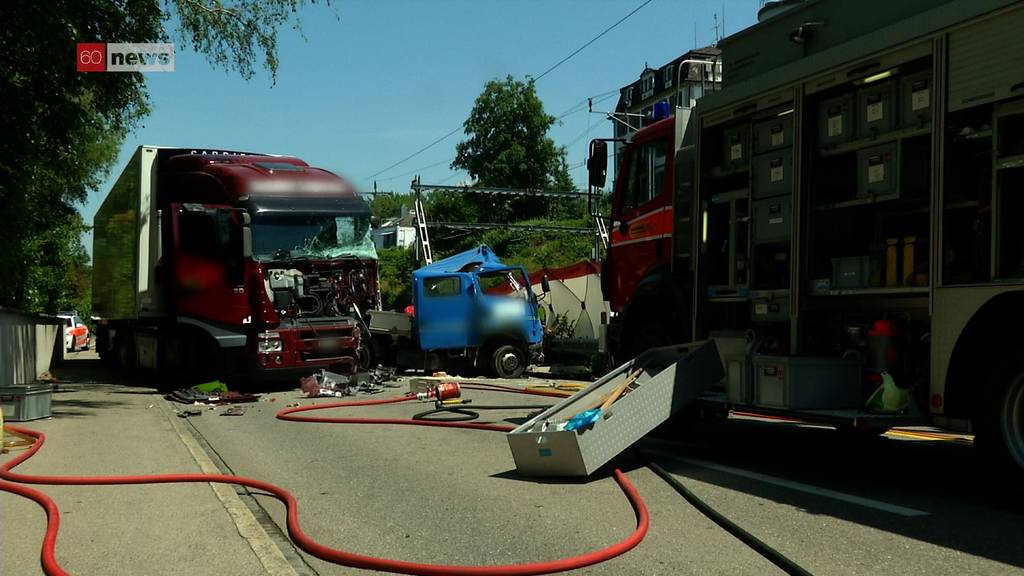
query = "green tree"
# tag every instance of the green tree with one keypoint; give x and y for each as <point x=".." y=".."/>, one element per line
<point x="395" y="266"/>
<point x="508" y="146"/>
<point x="62" y="129"/>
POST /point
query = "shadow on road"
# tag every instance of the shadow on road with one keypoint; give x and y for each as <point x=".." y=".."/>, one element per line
<point x="947" y="480"/>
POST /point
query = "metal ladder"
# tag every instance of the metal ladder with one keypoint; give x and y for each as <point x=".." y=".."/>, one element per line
<point x="421" y="232"/>
<point x="602" y="229"/>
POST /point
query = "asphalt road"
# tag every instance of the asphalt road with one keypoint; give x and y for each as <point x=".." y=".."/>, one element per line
<point x="891" y="505"/>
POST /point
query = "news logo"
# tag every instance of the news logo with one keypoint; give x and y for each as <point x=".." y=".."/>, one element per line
<point x="124" y="57"/>
<point x="91" y="57"/>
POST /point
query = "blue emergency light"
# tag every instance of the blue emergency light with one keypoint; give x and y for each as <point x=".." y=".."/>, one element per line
<point x="662" y="110"/>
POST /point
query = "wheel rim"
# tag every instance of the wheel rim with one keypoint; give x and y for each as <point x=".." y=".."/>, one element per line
<point x="509" y="361"/>
<point x="1012" y="420"/>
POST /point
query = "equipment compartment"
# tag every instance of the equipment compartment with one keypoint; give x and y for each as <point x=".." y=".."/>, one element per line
<point x="807" y="383"/>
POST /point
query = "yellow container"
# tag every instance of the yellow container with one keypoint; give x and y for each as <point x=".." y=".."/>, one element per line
<point x="892" y="262"/>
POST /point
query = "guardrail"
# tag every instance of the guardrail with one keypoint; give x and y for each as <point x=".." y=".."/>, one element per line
<point x="29" y="344"/>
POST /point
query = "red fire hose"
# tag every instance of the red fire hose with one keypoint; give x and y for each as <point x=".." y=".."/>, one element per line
<point x="9" y="482"/>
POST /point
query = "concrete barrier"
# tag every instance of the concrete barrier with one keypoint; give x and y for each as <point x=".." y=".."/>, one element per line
<point x="29" y="344"/>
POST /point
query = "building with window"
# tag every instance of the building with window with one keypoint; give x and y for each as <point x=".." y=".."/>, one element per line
<point x="680" y="82"/>
<point x="396" y="232"/>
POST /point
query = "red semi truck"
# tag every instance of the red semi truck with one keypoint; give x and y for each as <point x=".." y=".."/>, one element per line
<point x="847" y="205"/>
<point x="231" y="264"/>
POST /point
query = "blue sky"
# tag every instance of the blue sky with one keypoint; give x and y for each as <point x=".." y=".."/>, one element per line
<point x="382" y="79"/>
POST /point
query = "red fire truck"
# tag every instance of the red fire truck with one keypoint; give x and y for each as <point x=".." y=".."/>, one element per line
<point x="231" y="264"/>
<point x="844" y="212"/>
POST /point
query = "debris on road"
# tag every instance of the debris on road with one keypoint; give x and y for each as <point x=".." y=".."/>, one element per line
<point x="234" y="411"/>
<point x="188" y="413"/>
<point x="218" y="395"/>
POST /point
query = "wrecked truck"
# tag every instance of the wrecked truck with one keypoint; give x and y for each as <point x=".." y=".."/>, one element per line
<point x="470" y="312"/>
<point x="232" y="265"/>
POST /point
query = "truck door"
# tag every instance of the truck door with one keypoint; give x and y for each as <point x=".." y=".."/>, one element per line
<point x="208" y="267"/>
<point x="642" y="217"/>
<point x="444" y="310"/>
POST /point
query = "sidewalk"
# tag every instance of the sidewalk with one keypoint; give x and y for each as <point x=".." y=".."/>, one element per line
<point x="102" y="428"/>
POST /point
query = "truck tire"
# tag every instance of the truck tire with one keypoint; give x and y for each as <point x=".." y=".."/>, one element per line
<point x="1009" y="421"/>
<point x="508" y="361"/>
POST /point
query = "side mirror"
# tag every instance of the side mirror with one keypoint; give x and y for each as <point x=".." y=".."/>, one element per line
<point x="597" y="163"/>
<point x="246" y="236"/>
<point x="545" y="285"/>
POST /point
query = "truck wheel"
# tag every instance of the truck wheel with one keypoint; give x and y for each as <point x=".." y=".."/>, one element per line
<point x="1010" y="420"/>
<point x="508" y="361"/>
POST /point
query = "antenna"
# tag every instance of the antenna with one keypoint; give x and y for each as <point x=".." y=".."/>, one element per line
<point x="723" y="19"/>
<point x="694" y="34"/>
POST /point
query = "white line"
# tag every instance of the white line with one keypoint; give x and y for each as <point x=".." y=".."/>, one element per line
<point x="801" y="487"/>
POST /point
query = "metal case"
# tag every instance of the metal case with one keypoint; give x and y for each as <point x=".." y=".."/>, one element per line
<point x="769" y="309"/>
<point x="877" y="170"/>
<point x="773" y="134"/>
<point x="671" y="377"/>
<point x="807" y="383"/>
<point x="835" y="120"/>
<point x="772" y="220"/>
<point x="916" y="99"/>
<point x="25" y="402"/>
<point x="773" y="174"/>
<point x="736" y="148"/>
<point x="876" y="110"/>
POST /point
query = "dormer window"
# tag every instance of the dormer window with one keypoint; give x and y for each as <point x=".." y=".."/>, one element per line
<point x="666" y="77"/>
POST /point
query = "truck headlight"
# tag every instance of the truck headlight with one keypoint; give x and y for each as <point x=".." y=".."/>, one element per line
<point x="269" y="342"/>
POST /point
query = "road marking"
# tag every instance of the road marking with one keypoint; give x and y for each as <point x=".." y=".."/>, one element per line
<point x="269" y="555"/>
<point x="801" y="487"/>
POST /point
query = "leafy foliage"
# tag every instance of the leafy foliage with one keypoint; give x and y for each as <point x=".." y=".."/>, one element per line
<point x="508" y="146"/>
<point x="62" y="129"/>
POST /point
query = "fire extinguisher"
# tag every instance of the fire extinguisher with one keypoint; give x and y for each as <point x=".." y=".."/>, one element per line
<point x="885" y="350"/>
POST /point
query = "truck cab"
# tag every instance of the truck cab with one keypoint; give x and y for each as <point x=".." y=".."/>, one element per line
<point x="470" y="310"/>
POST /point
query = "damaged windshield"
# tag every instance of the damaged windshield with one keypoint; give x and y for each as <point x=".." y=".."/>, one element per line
<point x="291" y="235"/>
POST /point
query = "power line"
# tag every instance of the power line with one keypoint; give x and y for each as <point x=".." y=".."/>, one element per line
<point x="420" y="151"/>
<point x="542" y="74"/>
<point x="592" y="40"/>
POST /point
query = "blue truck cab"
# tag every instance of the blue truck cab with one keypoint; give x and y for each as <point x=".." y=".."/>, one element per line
<point x="474" y="306"/>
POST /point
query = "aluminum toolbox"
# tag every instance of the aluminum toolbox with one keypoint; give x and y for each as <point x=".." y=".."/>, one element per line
<point x="671" y="377"/>
<point x="24" y="402"/>
<point x="916" y="99"/>
<point x="807" y="383"/>
<point x="773" y="134"/>
<point x="835" y="120"/>
<point x="772" y="220"/>
<point x="736" y="149"/>
<point x="877" y="170"/>
<point x="773" y="174"/>
<point x="876" y="109"/>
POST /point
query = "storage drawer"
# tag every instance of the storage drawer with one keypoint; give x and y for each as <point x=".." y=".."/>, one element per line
<point x="773" y="134"/>
<point x="773" y="173"/>
<point x="916" y="99"/>
<point x="807" y="383"/>
<point x="877" y="170"/>
<point x="736" y="149"/>
<point x="772" y="220"/>
<point x="876" y="110"/>
<point x="770" y="309"/>
<point x="835" y="120"/>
